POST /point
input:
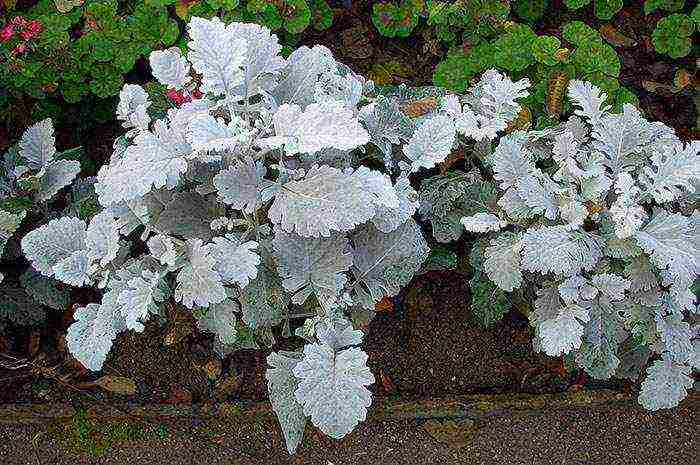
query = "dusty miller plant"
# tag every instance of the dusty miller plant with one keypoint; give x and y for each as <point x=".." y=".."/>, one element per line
<point x="249" y="207"/>
<point x="598" y="218"/>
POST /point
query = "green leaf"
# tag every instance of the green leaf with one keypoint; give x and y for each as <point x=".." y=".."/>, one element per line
<point x="672" y="35"/>
<point x="606" y="9"/>
<point x="667" y="5"/>
<point x="596" y="57"/>
<point x="576" y="4"/>
<point x="321" y="14"/>
<point x="106" y="81"/>
<point x="489" y="303"/>
<point x="545" y="48"/>
<point x="579" y="33"/>
<point x="394" y="21"/>
<point x="530" y="10"/>
<point x="514" y="49"/>
<point x="298" y="16"/>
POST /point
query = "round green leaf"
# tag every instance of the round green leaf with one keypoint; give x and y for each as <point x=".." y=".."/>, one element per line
<point x="606" y="9"/>
<point x="545" y="48"/>
<point x="579" y="33"/>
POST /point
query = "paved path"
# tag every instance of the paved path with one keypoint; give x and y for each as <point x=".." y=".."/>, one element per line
<point x="605" y="433"/>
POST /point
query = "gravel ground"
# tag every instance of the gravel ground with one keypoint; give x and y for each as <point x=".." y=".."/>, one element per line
<point x="610" y="435"/>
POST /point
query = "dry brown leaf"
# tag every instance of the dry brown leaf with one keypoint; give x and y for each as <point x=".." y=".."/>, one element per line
<point x="420" y="107"/>
<point x="117" y="385"/>
<point x="228" y="386"/>
<point x="615" y="37"/>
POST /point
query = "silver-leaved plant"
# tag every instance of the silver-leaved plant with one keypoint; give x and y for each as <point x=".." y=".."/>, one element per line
<point x="247" y="204"/>
<point x="595" y="220"/>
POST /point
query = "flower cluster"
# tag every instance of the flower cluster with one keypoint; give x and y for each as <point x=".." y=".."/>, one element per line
<point x="22" y="29"/>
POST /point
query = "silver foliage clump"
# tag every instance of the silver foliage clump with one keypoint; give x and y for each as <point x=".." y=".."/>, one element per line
<point x="250" y="207"/>
<point x="598" y="217"/>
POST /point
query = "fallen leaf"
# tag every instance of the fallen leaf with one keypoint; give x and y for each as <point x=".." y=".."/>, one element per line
<point x="386" y="305"/>
<point x="211" y="368"/>
<point x="615" y="37"/>
<point x="117" y="385"/>
<point x="420" y="107"/>
<point x="33" y="343"/>
<point x="660" y="88"/>
<point x="387" y="385"/>
<point x="682" y="79"/>
<point x="228" y="386"/>
<point x="179" y="395"/>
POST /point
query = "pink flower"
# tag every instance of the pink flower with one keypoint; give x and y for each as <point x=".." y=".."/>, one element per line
<point x="6" y="33"/>
<point x="177" y="97"/>
<point x="18" y="22"/>
<point x="20" y="49"/>
<point x="32" y="30"/>
<point x="196" y="94"/>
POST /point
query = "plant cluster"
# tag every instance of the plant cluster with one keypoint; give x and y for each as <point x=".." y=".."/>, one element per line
<point x="85" y="50"/>
<point x="31" y="175"/>
<point x="546" y="61"/>
<point x="279" y="189"/>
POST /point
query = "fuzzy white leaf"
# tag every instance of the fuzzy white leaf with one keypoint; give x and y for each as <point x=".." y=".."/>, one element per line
<point x="666" y="385"/>
<point x="300" y="74"/>
<point x="320" y="125"/>
<point x="90" y="337"/>
<point x="198" y="283"/>
<point x="675" y="336"/>
<point x="74" y="269"/>
<point x="132" y="107"/>
<point x="332" y="388"/>
<point x="263" y="62"/>
<point x="206" y="133"/>
<point x="611" y="285"/>
<point x="387" y="125"/>
<point x="162" y="248"/>
<point x="562" y="334"/>
<point x="328" y="199"/>
<point x="57" y="174"/>
<point x="155" y="160"/>
<point x="141" y="298"/>
<point x="337" y="333"/>
<point x="502" y="261"/>
<point x="384" y="263"/>
<point x="589" y="98"/>
<point x="241" y="185"/>
<point x="281" y="385"/>
<point x="102" y="238"/>
<point x="46" y="246"/>
<point x="673" y="173"/>
<point x="389" y="218"/>
<point x="220" y="319"/>
<point x="483" y="222"/>
<point x="312" y="265"/>
<point x="672" y="242"/>
<point x="37" y="146"/>
<point x="625" y="212"/>
<point x="554" y="249"/>
<point x="431" y="143"/>
<point x="511" y="162"/>
<point x="169" y="67"/>
<point x="264" y="299"/>
<point x="235" y="262"/>
<point x="9" y="223"/>
<point x="217" y="54"/>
